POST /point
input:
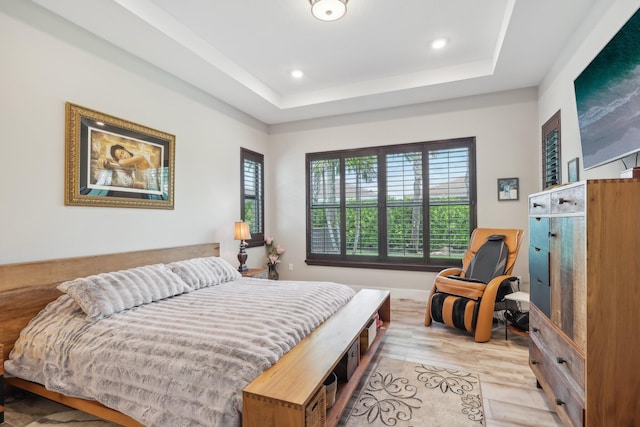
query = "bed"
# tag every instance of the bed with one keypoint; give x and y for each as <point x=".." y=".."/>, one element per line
<point x="261" y="342"/>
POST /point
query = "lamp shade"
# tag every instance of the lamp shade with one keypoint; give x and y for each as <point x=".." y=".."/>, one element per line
<point x="241" y="231"/>
<point x="328" y="10"/>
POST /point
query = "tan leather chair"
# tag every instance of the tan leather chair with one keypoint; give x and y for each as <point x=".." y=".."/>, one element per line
<point x="469" y="305"/>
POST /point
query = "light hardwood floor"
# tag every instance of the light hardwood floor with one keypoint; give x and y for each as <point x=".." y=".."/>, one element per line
<point x="508" y="385"/>
<point x="509" y="391"/>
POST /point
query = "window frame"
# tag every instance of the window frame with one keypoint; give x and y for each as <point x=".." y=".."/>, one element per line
<point x="257" y="237"/>
<point x="552" y="169"/>
<point x="383" y="260"/>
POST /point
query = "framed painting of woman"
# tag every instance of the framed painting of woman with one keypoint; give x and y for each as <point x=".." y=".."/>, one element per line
<point x="112" y="162"/>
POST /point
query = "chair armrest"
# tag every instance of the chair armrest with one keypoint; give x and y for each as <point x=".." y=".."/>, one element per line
<point x="492" y="287"/>
<point x="466" y="279"/>
<point x="471" y="289"/>
<point x="453" y="271"/>
<point x="487" y="305"/>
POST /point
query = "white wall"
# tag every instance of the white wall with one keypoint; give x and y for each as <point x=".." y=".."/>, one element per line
<point x="504" y="125"/>
<point x="46" y="62"/>
<point x="557" y="92"/>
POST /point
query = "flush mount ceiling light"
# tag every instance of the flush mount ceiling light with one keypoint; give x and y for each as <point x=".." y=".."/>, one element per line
<point x="328" y="10"/>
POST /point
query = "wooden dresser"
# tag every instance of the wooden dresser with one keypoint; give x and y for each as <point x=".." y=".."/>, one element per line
<point x="584" y="262"/>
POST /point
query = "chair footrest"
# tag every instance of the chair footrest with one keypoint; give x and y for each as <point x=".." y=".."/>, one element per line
<point x="455" y="311"/>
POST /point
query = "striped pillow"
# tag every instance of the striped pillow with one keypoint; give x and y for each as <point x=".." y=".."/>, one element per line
<point x="203" y="272"/>
<point x="105" y="294"/>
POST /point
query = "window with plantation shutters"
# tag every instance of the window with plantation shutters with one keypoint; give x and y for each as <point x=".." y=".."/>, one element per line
<point x="361" y="205"/>
<point x="451" y="205"/>
<point x="551" y="165"/>
<point x="406" y="206"/>
<point x="252" y="194"/>
<point x="324" y="212"/>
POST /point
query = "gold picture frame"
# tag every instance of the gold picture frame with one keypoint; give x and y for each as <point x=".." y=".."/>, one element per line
<point x="111" y="162"/>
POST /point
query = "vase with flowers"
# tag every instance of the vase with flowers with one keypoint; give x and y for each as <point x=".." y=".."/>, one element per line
<point x="274" y="252"/>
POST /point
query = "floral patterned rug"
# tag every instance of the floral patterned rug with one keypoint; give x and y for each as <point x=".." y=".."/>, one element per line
<point x="408" y="394"/>
<point x="396" y="393"/>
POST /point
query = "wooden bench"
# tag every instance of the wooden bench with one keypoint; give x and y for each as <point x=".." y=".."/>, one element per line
<point x="290" y="393"/>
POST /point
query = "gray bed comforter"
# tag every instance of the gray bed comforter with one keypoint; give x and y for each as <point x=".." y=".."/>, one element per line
<point x="181" y="361"/>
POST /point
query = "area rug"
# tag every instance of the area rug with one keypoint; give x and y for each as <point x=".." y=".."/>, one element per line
<point x="397" y="393"/>
<point x="408" y="394"/>
<point x="70" y="418"/>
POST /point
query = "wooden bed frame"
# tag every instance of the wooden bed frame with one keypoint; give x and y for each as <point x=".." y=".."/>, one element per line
<point x="281" y="396"/>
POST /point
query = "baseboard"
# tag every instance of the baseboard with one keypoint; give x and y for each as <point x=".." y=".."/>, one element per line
<point x="415" y="294"/>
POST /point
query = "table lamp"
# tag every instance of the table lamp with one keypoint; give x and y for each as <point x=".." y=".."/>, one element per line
<point x="241" y="232"/>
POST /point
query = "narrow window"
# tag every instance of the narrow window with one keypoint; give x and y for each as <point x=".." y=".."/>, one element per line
<point x="252" y="194"/>
<point x="551" y="165"/>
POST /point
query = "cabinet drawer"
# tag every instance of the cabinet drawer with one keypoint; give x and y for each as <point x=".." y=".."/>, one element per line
<point x="567" y="400"/>
<point x="539" y="232"/>
<point x="568" y="200"/>
<point x="558" y="350"/>
<point x="539" y="204"/>
<point x="539" y="279"/>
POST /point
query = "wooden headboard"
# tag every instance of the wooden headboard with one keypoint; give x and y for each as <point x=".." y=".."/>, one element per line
<point x="26" y="288"/>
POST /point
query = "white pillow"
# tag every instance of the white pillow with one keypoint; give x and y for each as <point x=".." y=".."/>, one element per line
<point x="105" y="294"/>
<point x="203" y="272"/>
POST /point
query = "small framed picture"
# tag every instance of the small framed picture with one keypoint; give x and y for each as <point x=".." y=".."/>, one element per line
<point x="572" y="168"/>
<point x="508" y="189"/>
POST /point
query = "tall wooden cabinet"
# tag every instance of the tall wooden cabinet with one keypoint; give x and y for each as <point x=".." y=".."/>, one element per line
<point x="584" y="261"/>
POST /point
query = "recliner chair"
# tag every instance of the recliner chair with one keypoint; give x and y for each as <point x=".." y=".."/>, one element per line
<point x="465" y="297"/>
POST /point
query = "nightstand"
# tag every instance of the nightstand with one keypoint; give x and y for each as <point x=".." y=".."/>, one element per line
<point x="1" y="384"/>
<point x="256" y="273"/>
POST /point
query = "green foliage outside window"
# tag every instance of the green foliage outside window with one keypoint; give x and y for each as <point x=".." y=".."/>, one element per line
<point x="449" y="224"/>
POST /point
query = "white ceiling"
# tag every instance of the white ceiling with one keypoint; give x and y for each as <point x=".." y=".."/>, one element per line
<point x="377" y="56"/>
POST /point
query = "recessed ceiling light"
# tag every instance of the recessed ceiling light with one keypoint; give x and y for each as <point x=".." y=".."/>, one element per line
<point x="297" y="74"/>
<point x="439" y="43"/>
